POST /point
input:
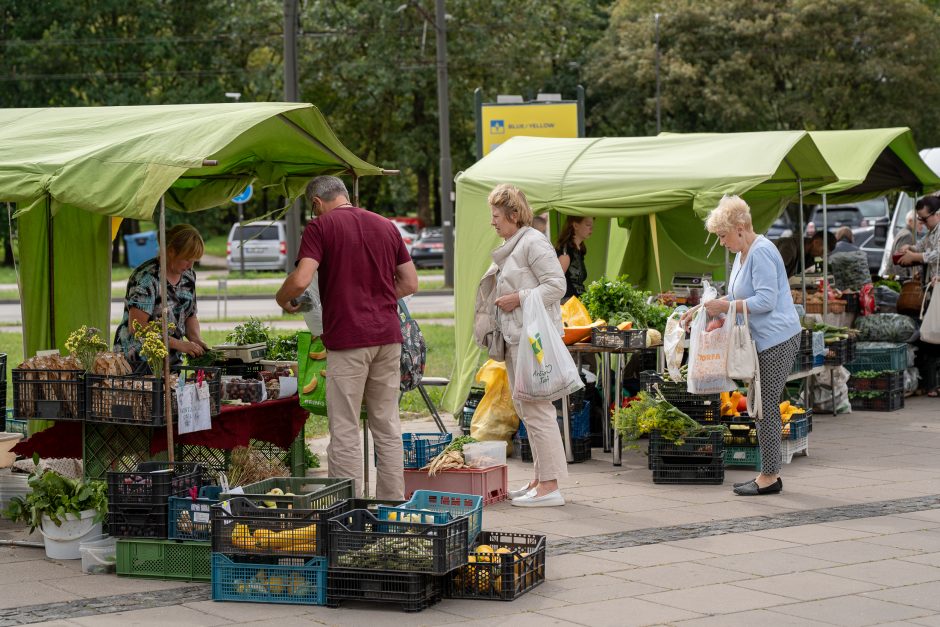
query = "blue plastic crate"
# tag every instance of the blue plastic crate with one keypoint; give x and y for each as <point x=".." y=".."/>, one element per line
<point x="398" y="514"/>
<point x="799" y="427"/>
<point x="456" y="505"/>
<point x="580" y="423"/>
<point x="421" y="448"/>
<point x="269" y="583"/>
<point x="878" y="356"/>
<point x="189" y="519"/>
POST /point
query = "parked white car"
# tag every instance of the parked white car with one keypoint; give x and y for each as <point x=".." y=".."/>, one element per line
<point x="265" y="246"/>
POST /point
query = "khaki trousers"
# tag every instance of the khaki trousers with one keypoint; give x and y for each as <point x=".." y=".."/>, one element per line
<point x="372" y="374"/>
<point x="548" y="451"/>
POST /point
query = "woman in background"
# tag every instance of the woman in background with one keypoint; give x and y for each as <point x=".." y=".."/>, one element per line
<point x="571" y="251"/>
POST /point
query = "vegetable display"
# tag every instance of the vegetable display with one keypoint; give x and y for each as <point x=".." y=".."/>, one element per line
<point x="54" y="496"/>
<point x="886" y="327"/>
<point x="391" y="553"/>
<point x="650" y="413"/>
<point x="252" y="332"/>
<point x="618" y="301"/>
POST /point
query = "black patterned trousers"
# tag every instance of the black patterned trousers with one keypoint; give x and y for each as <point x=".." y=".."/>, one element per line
<point x="776" y="363"/>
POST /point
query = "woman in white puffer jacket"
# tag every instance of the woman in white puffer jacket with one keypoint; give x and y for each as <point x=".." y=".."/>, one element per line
<point x="525" y="266"/>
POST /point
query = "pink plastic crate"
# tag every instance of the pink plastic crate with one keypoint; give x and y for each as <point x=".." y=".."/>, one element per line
<point x="491" y="483"/>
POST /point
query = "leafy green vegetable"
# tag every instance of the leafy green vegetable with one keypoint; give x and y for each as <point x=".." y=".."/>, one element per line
<point x="654" y="413"/>
<point x="618" y="301"/>
<point x="891" y="284"/>
<point x="458" y="443"/>
<point x="252" y="332"/>
<point x="867" y="393"/>
<point x="283" y="347"/>
<point x="870" y="374"/>
<point x="55" y="496"/>
<point x="208" y="358"/>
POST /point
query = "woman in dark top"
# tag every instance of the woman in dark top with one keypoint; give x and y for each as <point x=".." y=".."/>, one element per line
<point x="571" y="251"/>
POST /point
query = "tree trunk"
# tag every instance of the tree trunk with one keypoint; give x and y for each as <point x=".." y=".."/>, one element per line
<point x="424" y="196"/>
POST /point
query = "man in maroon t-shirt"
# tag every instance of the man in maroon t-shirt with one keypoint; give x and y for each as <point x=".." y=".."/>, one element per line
<point x="364" y="268"/>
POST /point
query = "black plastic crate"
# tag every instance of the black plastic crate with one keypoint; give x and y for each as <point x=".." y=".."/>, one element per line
<point x="369" y="504"/>
<point x="412" y="591"/>
<point x="130" y="400"/>
<point x="837" y="353"/>
<point x="803" y="361"/>
<point x="852" y="350"/>
<point x="128" y="521"/>
<point x="704" y="408"/>
<point x="648" y="360"/>
<point x="665" y="472"/>
<point x="806" y="340"/>
<point x="361" y="541"/>
<point x="48" y="394"/>
<point x="212" y="376"/>
<point x="153" y="483"/>
<point x="888" y="401"/>
<point x="741" y="433"/>
<point x="516" y="566"/>
<point x="887" y="381"/>
<point x="580" y="449"/>
<point x="305" y="492"/>
<point x="706" y="448"/>
<point x="613" y="338"/>
<point x="243" y="528"/>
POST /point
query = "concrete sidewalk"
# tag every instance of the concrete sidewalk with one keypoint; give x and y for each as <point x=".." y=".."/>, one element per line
<point x="853" y="540"/>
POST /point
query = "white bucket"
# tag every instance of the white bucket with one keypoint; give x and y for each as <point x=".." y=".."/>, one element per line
<point x="99" y="555"/>
<point x="62" y="542"/>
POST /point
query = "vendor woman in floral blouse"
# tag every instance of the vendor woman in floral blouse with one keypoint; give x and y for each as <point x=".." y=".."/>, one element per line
<point x="142" y="303"/>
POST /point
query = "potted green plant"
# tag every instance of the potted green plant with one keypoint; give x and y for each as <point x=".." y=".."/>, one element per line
<point x="66" y="511"/>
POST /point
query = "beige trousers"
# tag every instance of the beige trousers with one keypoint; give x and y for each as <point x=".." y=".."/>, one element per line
<point x="548" y="451"/>
<point x="371" y="374"/>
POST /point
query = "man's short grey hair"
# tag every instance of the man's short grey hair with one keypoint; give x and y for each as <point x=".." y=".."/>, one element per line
<point x="327" y="188"/>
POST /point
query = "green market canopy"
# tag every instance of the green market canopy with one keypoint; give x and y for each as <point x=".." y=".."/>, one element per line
<point x="654" y="190"/>
<point x="70" y="169"/>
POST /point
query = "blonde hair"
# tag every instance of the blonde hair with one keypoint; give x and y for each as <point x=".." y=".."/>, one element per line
<point x="731" y="213"/>
<point x="185" y="242"/>
<point x="510" y="200"/>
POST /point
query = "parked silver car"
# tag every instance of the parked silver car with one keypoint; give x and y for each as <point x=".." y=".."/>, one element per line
<point x="265" y="246"/>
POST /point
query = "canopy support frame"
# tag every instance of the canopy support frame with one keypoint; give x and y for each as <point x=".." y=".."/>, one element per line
<point x="164" y="304"/>
<point x="314" y="140"/>
<point x="50" y="264"/>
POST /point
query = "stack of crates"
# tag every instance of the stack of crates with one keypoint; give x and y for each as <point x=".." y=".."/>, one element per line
<point x="269" y="544"/>
<point x="741" y="448"/>
<point x="138" y="515"/>
<point x="881" y="386"/>
<point x="698" y="460"/>
<point x="579" y="417"/>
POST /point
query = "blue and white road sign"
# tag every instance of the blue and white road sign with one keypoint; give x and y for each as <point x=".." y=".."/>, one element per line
<point x="244" y="197"/>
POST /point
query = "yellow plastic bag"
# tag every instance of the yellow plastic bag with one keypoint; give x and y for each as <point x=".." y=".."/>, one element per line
<point x="495" y="417"/>
<point x="575" y="314"/>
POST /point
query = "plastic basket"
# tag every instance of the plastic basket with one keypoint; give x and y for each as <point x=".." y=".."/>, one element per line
<point x="501" y="576"/>
<point x="707" y="447"/>
<point x="689" y="474"/>
<point x="455" y="504"/>
<point x="421" y="448"/>
<point x="17" y="426"/>
<point x="741" y="433"/>
<point x="744" y="456"/>
<point x="887" y="401"/>
<point x="164" y="559"/>
<point x="239" y="527"/>
<point x="491" y="483"/>
<point x="580" y="449"/>
<point x="216" y="461"/>
<point x="412" y="591"/>
<point x="789" y="448"/>
<point x="704" y="408"/>
<point x="189" y="519"/>
<point x="48" y="394"/>
<point x="889" y="357"/>
<point x="697" y="460"/>
<point x="213" y="378"/>
<point x="614" y="338"/>
<point x="837" y="353"/>
<point x="797" y="428"/>
<point x="890" y="381"/>
<point x="130" y="400"/>
<point x="308" y="492"/>
<point x="113" y="448"/>
<point x="301" y="582"/>
<point x="803" y="361"/>
<point x="153" y="483"/>
<point x="361" y="541"/>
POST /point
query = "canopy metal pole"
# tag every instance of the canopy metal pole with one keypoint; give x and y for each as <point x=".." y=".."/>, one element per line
<point x="355" y="198"/>
<point x="802" y="246"/>
<point x="51" y="266"/>
<point x="825" y="308"/>
<point x="167" y="398"/>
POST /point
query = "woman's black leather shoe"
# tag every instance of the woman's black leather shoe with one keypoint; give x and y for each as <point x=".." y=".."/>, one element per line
<point x="752" y="489"/>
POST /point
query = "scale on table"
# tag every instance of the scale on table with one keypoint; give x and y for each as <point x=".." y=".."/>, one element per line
<point x="689" y="285"/>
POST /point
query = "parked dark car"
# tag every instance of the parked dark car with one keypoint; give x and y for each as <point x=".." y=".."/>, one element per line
<point x="428" y="250"/>
<point x="782" y="227"/>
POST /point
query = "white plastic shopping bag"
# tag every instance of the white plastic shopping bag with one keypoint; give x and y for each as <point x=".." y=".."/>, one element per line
<point x="708" y="350"/>
<point x="930" y="320"/>
<point x="545" y="370"/>
<point x="674" y="343"/>
<point x="192" y="400"/>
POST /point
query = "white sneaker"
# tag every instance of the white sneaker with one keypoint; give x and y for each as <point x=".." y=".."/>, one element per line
<point x="515" y="494"/>
<point x="552" y="499"/>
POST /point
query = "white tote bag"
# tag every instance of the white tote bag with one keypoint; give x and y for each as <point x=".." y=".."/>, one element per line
<point x="545" y="370"/>
<point x="708" y="355"/>
<point x="930" y="320"/>
<point x="742" y="353"/>
<point x="192" y="400"/>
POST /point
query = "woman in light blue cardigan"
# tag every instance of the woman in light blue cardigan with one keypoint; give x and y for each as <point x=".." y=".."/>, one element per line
<point x="759" y="279"/>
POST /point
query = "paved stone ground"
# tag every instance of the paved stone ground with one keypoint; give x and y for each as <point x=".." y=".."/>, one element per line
<point x="853" y="540"/>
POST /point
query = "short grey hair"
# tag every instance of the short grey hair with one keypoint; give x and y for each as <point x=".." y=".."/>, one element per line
<point x="327" y="188"/>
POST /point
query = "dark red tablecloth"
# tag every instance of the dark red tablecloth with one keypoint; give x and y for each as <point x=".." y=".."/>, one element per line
<point x="277" y="421"/>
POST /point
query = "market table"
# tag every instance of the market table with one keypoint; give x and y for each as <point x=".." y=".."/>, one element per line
<point x="611" y="445"/>
<point x="276" y="421"/>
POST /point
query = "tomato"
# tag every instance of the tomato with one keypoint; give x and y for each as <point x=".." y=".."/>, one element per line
<point x="742" y="404"/>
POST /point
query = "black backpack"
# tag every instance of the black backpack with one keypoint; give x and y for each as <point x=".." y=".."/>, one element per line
<point x="414" y="350"/>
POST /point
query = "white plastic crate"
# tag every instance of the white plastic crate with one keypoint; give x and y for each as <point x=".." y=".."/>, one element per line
<point x="789" y="448"/>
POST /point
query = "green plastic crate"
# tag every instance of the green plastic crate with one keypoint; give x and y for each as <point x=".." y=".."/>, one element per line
<point x="307" y="492"/>
<point x="217" y="460"/>
<point x="164" y="559"/>
<point x="893" y="357"/>
<point x="748" y="456"/>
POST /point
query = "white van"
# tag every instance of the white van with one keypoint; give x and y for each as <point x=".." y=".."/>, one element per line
<point x="265" y="246"/>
